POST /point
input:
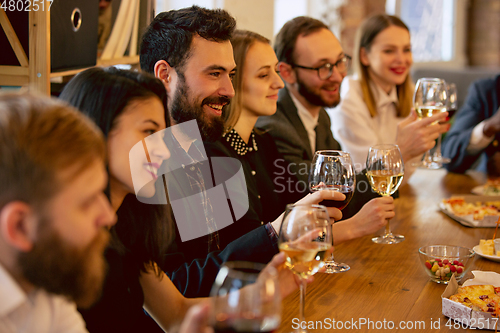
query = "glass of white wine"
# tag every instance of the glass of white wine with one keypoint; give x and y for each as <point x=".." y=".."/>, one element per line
<point x="306" y="239"/>
<point x="333" y="170"/>
<point x="431" y="97"/>
<point x="385" y="170"/>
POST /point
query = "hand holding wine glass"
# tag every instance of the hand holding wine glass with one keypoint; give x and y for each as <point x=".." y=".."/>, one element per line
<point x="305" y="238"/>
<point x="431" y="97"/>
<point x="333" y="170"/>
<point x="385" y="170"/>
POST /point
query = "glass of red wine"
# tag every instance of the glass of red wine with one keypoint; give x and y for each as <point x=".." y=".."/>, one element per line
<point x="333" y="170"/>
<point x="451" y="107"/>
<point x="246" y="298"/>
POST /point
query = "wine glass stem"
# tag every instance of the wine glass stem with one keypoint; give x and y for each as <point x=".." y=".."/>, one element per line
<point x="302" y="299"/>
<point x="388" y="227"/>
<point x="437" y="151"/>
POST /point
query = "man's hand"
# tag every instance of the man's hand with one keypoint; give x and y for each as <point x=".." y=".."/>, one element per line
<point x="492" y="125"/>
<point x="415" y="137"/>
<point x="314" y="199"/>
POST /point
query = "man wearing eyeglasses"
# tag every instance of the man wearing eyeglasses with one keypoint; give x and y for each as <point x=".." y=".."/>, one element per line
<point x="313" y="64"/>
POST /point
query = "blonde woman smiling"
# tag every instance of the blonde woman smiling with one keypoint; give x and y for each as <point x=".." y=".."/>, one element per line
<point x="376" y="103"/>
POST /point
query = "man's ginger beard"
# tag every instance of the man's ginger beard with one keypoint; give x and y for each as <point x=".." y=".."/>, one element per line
<point x="63" y="269"/>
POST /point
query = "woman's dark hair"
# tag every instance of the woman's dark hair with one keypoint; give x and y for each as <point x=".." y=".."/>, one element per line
<point x="170" y="34"/>
<point x="143" y="231"/>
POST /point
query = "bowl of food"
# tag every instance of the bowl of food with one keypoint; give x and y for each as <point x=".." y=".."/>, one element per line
<point x="442" y="261"/>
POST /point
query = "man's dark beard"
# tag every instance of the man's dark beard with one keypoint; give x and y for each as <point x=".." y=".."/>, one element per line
<point x="59" y="268"/>
<point x="182" y="110"/>
<point x="312" y="97"/>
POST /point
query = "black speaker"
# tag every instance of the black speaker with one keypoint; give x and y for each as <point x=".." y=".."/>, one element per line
<point x="73" y="31"/>
<point x="73" y="34"/>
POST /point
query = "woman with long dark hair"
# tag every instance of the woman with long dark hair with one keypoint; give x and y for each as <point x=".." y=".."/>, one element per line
<point x="129" y="109"/>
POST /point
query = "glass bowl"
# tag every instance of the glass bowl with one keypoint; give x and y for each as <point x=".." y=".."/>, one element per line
<point x="442" y="261"/>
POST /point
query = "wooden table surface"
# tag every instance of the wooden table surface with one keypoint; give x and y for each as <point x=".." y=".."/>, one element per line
<point x="387" y="282"/>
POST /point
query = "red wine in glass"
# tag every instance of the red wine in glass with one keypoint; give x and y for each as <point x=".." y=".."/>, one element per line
<point x="348" y="191"/>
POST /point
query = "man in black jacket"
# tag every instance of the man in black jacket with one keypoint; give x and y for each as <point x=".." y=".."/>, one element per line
<point x="313" y="64"/>
<point x="475" y="132"/>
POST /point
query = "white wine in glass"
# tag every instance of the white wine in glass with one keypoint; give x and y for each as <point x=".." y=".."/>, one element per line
<point x="431" y="97"/>
<point x="385" y="171"/>
<point x="306" y="239"/>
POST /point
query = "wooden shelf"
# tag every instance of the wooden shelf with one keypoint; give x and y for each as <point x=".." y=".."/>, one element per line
<point x="35" y="72"/>
<point x="100" y="63"/>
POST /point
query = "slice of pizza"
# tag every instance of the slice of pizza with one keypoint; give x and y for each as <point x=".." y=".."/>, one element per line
<point x="479" y="298"/>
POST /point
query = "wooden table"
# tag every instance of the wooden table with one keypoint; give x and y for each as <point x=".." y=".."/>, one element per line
<point x="387" y="282"/>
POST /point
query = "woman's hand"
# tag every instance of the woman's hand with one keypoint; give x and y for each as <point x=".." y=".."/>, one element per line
<point x="372" y="216"/>
<point x="314" y="199"/>
<point x="196" y="320"/>
<point x="415" y="137"/>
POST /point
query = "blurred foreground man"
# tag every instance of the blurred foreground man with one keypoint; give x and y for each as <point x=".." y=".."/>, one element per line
<point x="54" y="216"/>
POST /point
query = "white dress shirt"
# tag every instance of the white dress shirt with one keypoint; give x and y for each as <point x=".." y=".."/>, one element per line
<point x="478" y="141"/>
<point x="36" y="312"/>
<point x="353" y="126"/>
<point x="310" y="122"/>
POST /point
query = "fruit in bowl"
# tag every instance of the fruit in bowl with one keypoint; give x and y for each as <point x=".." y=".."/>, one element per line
<point x="442" y="261"/>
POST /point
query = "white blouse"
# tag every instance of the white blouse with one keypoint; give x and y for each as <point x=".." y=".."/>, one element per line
<point x="354" y="127"/>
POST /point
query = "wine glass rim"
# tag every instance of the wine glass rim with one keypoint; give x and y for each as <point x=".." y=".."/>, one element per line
<point x="331" y="152"/>
<point x="289" y="206"/>
<point x="385" y="146"/>
<point x="431" y="79"/>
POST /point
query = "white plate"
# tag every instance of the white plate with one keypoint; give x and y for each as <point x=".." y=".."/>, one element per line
<point x="478" y="251"/>
<point x="479" y="190"/>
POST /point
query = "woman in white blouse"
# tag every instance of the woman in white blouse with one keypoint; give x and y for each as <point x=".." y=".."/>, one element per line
<point x="376" y="103"/>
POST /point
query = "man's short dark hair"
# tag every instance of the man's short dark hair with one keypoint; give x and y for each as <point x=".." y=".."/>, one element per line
<point x="286" y="39"/>
<point x="170" y="34"/>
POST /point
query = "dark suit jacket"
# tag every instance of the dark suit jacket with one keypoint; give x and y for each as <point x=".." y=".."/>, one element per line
<point x="293" y="143"/>
<point x="482" y="102"/>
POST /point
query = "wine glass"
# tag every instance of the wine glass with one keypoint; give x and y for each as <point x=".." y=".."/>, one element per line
<point x="385" y="170"/>
<point x="451" y="107"/>
<point x="246" y="298"/>
<point x="431" y="97"/>
<point x="305" y="238"/>
<point x="333" y="170"/>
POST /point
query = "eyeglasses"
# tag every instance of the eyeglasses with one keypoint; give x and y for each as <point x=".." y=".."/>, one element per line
<point x="326" y="70"/>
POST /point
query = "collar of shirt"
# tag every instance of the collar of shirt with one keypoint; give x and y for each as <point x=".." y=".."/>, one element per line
<point x="308" y="120"/>
<point x="381" y="97"/>
<point x="11" y="294"/>
<point x="238" y="144"/>
<point x="195" y="154"/>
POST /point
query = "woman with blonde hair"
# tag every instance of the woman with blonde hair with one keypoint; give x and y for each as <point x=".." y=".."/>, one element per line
<point x="376" y="103"/>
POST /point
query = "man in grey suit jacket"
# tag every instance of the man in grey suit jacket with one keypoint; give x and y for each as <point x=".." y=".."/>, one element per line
<point x="313" y="64"/>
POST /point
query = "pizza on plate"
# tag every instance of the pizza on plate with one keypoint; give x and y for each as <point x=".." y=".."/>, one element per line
<point x="492" y="187"/>
<point x="483" y="298"/>
<point x="478" y="210"/>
